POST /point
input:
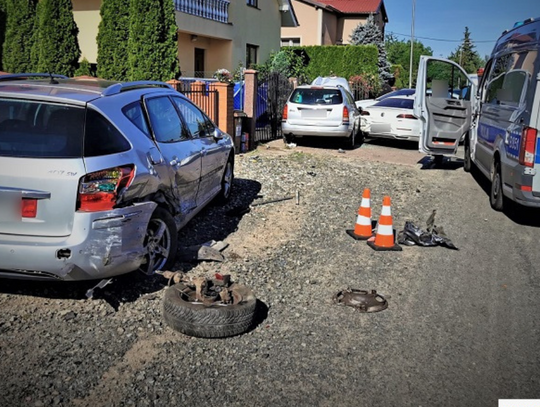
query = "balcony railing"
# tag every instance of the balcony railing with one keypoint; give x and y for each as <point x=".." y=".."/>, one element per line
<point x="216" y="10"/>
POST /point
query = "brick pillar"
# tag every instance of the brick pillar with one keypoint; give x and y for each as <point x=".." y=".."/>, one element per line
<point x="250" y="103"/>
<point x="225" y="119"/>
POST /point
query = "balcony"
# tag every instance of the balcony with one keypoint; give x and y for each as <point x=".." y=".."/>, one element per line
<point x="215" y="10"/>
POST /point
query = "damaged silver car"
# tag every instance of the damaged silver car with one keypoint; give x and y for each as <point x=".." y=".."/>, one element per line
<point x="97" y="177"/>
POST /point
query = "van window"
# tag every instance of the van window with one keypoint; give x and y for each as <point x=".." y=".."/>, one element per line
<point x="446" y="81"/>
<point x="509" y="79"/>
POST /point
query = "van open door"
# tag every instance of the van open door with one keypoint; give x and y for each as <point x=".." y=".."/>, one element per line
<point x="442" y="103"/>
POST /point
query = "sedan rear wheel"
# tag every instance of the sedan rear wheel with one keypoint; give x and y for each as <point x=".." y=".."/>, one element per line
<point x="160" y="243"/>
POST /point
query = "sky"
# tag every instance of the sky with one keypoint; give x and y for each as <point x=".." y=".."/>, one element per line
<point x="440" y="24"/>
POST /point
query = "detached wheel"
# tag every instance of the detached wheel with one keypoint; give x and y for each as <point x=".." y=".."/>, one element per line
<point x="496" y="196"/>
<point x="160" y="242"/>
<point x="226" y="182"/>
<point x="184" y="313"/>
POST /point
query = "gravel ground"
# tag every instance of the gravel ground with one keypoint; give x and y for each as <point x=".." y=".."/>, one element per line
<point x="461" y="328"/>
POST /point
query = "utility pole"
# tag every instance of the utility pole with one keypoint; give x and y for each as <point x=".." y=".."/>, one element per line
<point x="412" y="44"/>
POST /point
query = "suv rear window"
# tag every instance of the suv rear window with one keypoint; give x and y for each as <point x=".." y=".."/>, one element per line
<point x="316" y="96"/>
<point x="40" y="130"/>
<point x="33" y="129"/>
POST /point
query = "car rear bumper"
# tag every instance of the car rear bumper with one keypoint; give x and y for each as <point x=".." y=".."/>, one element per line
<point x="104" y="244"/>
<point x="316" y="131"/>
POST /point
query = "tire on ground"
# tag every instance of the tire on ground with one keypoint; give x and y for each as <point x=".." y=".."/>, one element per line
<point x="215" y="321"/>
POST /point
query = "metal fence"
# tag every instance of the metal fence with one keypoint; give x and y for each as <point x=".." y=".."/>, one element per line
<point x="203" y="95"/>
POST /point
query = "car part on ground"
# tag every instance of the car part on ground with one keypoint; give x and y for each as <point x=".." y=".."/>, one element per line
<point x="362" y="300"/>
<point x="434" y="235"/>
<point x="209" y="307"/>
<point x="97" y="177"/>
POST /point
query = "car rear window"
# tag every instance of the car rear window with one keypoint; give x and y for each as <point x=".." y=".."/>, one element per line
<point x="40" y="130"/>
<point x="34" y="129"/>
<point x="316" y="96"/>
<point x="396" y="102"/>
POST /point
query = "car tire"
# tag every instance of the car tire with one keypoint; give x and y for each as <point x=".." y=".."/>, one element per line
<point x="183" y="314"/>
<point x="288" y="138"/>
<point x="160" y="242"/>
<point x="467" y="160"/>
<point x="496" y="196"/>
<point x="350" y="141"/>
<point x="226" y="182"/>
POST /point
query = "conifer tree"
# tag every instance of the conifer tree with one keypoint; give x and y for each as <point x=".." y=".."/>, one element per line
<point x="20" y="17"/>
<point x="152" y="43"/>
<point x="367" y="34"/>
<point x="57" y="47"/>
<point x="2" y="29"/>
<point x="465" y="55"/>
<point x="112" y="40"/>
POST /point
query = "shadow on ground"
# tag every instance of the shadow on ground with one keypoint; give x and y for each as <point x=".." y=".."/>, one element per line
<point x="212" y="223"/>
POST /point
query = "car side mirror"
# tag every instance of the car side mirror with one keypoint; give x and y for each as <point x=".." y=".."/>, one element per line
<point x="217" y="134"/>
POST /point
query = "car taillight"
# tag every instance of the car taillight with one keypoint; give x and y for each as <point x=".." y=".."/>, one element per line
<point x="98" y="191"/>
<point x="406" y="116"/>
<point x="345" y="114"/>
<point x="285" y="114"/>
<point x="28" y="208"/>
<point x="528" y="146"/>
<point x="364" y="113"/>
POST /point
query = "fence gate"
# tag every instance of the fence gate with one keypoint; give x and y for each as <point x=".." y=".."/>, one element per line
<point x="272" y="95"/>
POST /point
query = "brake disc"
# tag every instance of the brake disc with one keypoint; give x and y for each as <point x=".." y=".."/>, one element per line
<point x="362" y="300"/>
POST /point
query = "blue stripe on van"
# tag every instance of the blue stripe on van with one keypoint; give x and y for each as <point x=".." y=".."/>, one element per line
<point x="537" y="154"/>
<point x="488" y="134"/>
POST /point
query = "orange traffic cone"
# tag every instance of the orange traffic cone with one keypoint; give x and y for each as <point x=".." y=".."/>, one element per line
<point x="363" y="229"/>
<point x="384" y="236"/>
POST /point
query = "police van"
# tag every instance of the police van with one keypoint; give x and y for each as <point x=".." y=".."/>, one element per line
<point x="499" y="118"/>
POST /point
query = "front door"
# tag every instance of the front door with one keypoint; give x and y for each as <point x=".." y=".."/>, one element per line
<point x="442" y="102"/>
<point x="199" y="63"/>
<point x="182" y="153"/>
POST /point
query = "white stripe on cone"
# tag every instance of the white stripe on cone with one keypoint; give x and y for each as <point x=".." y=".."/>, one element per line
<point x="363" y="220"/>
<point x="385" y="211"/>
<point x="385" y="230"/>
<point x="365" y="203"/>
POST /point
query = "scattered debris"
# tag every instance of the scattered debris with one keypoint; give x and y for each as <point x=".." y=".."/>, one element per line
<point x="362" y="300"/>
<point x="297" y="197"/>
<point x="272" y="201"/>
<point x="434" y="236"/>
<point x="101" y="284"/>
<point x="242" y="210"/>
<point x="208" y="251"/>
<point x="341" y="151"/>
<point x="290" y="145"/>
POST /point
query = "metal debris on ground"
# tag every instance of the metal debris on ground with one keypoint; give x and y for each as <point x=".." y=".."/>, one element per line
<point x="101" y="284"/>
<point x="209" y="251"/>
<point x="434" y="235"/>
<point x="242" y="210"/>
<point x="362" y="300"/>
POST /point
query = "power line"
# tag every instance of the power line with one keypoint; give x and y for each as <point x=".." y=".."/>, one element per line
<point x="437" y="39"/>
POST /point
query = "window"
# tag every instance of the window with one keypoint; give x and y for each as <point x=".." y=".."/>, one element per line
<point x="164" y="120"/>
<point x="251" y="55"/>
<point x="101" y="137"/>
<point x="197" y="122"/>
<point x="509" y="78"/>
<point x="135" y="114"/>
<point x="252" y="3"/>
<point x="290" y="42"/>
<point x="313" y="96"/>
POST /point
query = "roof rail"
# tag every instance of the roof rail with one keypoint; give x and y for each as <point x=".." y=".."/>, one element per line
<point x="125" y="86"/>
<point x="15" y="76"/>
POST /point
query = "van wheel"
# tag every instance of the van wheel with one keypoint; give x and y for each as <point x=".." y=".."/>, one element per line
<point x="160" y="242"/>
<point x="467" y="161"/>
<point x="496" y="196"/>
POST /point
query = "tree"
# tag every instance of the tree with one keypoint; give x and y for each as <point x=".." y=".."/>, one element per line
<point x="112" y="40"/>
<point x="370" y="33"/>
<point x="20" y="18"/>
<point x="399" y="53"/>
<point x="2" y="29"/>
<point x="56" y="47"/>
<point x="152" y="43"/>
<point x="466" y="56"/>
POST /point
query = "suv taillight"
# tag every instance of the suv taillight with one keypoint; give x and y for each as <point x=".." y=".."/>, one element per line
<point x="345" y="115"/>
<point x="98" y="191"/>
<point x="285" y="114"/>
<point x="528" y="146"/>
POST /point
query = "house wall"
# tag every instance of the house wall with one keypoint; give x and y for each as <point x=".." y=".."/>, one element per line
<point x="87" y="18"/>
<point x="308" y="29"/>
<point x="224" y="44"/>
<point x="330" y="33"/>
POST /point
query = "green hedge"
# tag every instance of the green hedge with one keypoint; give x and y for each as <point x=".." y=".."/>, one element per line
<point x="345" y="61"/>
